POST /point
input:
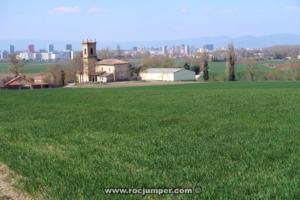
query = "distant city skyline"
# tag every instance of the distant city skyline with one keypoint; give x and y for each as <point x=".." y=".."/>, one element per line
<point x="133" y="20"/>
<point x="218" y="42"/>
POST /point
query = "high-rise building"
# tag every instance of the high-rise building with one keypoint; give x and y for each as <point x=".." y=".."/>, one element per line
<point x="5" y="55"/>
<point x="69" y="47"/>
<point x="177" y="49"/>
<point x="187" y="50"/>
<point x="11" y="49"/>
<point x="164" y="50"/>
<point x="118" y="47"/>
<point x="51" y="48"/>
<point x="42" y="51"/>
<point x="209" y="47"/>
<point x="30" y="48"/>
<point x="182" y="49"/>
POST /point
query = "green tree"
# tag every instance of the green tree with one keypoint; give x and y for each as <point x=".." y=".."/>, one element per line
<point x="63" y="77"/>
<point x="231" y="61"/>
<point x="196" y="69"/>
<point x="186" y="66"/>
<point x="205" y="67"/>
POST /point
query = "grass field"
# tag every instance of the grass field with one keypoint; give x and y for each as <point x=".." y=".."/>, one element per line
<point x="29" y="68"/>
<point x="219" y="67"/>
<point x="237" y="140"/>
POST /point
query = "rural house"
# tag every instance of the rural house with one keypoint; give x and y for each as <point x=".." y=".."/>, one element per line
<point x="19" y="82"/>
<point x="96" y="70"/>
<point x="167" y="74"/>
<point x="23" y="82"/>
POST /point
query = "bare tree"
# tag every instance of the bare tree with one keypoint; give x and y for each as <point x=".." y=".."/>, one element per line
<point x="231" y="61"/>
<point x="76" y="66"/>
<point x="158" y="61"/>
<point x="251" y="68"/>
<point x="15" y="65"/>
<point x="105" y="54"/>
<point x="77" y="63"/>
<point x="56" y="75"/>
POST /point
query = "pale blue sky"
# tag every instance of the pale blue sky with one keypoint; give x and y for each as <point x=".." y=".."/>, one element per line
<point x="137" y="20"/>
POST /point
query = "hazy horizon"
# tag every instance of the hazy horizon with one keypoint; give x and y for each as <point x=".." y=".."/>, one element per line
<point x="132" y="20"/>
<point x="218" y="42"/>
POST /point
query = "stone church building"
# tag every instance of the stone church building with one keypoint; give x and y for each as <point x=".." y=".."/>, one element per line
<point x="96" y="70"/>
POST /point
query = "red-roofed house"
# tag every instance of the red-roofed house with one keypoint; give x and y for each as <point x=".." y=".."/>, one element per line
<point x="19" y="82"/>
<point x="23" y="82"/>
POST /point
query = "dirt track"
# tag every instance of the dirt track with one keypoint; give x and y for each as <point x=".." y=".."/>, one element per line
<point x="8" y="190"/>
<point x="132" y="84"/>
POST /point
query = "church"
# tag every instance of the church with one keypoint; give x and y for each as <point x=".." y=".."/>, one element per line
<point x="101" y="71"/>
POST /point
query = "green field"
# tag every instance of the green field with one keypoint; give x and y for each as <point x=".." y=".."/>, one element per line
<point x="236" y="140"/>
<point x="30" y="68"/>
<point x="219" y="67"/>
<point x="215" y="68"/>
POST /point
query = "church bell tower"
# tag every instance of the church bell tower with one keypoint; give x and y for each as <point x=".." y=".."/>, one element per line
<point x="89" y="56"/>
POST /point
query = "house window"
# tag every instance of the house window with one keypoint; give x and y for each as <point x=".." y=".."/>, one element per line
<point x="84" y="51"/>
<point x="92" y="51"/>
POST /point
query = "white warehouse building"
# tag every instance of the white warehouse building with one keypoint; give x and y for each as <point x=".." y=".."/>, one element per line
<point x="167" y="74"/>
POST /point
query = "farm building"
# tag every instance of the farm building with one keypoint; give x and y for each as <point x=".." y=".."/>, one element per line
<point x="112" y="70"/>
<point x="19" y="82"/>
<point x="167" y="74"/>
<point x="23" y="82"/>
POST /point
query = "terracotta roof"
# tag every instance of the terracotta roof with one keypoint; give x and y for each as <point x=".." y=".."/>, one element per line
<point x="111" y="62"/>
<point x="17" y="78"/>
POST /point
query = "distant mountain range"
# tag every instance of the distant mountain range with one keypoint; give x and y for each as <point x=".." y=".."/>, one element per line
<point x="221" y="41"/>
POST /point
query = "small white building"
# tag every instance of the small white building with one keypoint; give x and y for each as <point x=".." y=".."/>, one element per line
<point x="167" y="74"/>
<point x="63" y="55"/>
<point x="298" y="57"/>
<point x="27" y="56"/>
<point x="45" y="56"/>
